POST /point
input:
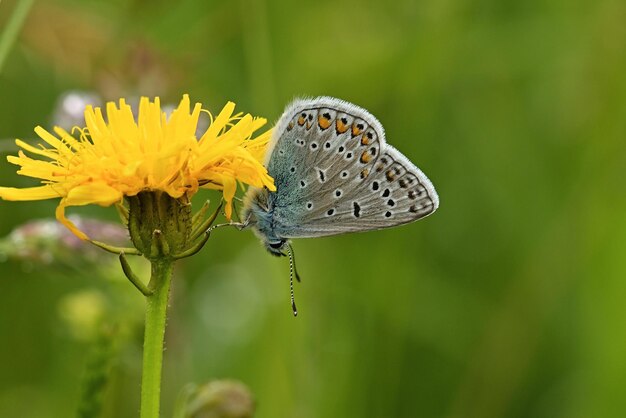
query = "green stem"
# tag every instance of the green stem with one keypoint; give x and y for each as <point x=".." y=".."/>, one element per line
<point x="156" y="312"/>
<point x="7" y="39"/>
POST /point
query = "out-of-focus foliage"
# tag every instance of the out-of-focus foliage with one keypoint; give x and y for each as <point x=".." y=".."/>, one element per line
<point x="217" y="399"/>
<point x="507" y="302"/>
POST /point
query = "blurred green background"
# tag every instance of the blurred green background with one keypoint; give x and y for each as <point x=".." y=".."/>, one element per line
<point x="510" y="301"/>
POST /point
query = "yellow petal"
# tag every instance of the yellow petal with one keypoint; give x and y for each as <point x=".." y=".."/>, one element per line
<point x="67" y="138"/>
<point x="37" y="151"/>
<point x="60" y="215"/>
<point x="219" y="122"/>
<point x="54" y="141"/>
<point x="230" y="187"/>
<point x="30" y="193"/>
<point x="98" y="193"/>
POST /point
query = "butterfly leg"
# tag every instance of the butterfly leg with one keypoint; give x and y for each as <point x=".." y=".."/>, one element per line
<point x="238" y="225"/>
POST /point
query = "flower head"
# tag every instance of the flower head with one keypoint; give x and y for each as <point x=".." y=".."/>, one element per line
<point x="123" y="156"/>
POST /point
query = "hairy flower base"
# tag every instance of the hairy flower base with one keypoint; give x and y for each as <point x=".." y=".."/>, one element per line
<point x="159" y="225"/>
<point x="123" y="156"/>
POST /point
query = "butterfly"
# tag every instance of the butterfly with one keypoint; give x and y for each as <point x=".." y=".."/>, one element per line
<point x="334" y="173"/>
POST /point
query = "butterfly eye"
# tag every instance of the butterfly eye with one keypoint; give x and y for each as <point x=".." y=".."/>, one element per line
<point x="277" y="245"/>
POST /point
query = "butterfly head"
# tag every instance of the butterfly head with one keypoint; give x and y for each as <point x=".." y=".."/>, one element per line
<point x="258" y="213"/>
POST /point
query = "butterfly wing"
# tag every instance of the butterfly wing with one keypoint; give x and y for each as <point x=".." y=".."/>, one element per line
<point x="335" y="173"/>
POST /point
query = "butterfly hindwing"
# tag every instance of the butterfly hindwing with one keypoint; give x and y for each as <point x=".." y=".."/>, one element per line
<point x="335" y="173"/>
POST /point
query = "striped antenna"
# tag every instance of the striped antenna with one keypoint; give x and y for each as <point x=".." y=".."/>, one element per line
<point x="291" y="270"/>
<point x="293" y="258"/>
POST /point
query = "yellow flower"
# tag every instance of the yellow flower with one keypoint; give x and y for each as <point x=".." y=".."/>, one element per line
<point x="122" y="156"/>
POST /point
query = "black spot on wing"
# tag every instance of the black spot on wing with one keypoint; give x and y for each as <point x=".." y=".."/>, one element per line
<point x="357" y="209"/>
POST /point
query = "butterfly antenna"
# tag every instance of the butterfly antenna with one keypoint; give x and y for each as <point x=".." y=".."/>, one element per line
<point x="291" y="270"/>
<point x="293" y="257"/>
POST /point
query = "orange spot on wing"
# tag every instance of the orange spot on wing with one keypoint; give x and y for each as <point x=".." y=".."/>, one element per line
<point x="341" y="127"/>
<point x="356" y="131"/>
<point x="301" y="120"/>
<point x="323" y="122"/>
<point x="366" y="157"/>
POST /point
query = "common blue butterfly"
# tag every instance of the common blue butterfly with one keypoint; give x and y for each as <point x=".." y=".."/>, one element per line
<point x="334" y="173"/>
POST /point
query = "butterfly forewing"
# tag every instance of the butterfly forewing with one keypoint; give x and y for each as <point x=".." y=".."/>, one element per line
<point x="335" y="173"/>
